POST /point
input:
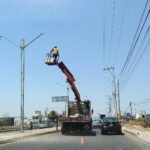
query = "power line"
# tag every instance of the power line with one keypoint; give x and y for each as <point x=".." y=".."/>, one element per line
<point x="138" y="36"/>
<point x="104" y="50"/>
<point x="121" y="29"/>
<point x="145" y="100"/>
<point x="104" y="32"/>
<point x="112" y="30"/>
<point x="134" y="42"/>
<point x="131" y="48"/>
<point x="142" y="101"/>
<point x="136" y="64"/>
<point x="136" y="60"/>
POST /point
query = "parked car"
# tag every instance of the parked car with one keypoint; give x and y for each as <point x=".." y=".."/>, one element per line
<point x="96" y="122"/>
<point x="35" y="124"/>
<point x="46" y="124"/>
<point x="111" y="124"/>
<point x="51" y="124"/>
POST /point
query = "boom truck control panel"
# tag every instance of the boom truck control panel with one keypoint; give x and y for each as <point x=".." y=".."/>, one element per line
<point x="79" y="119"/>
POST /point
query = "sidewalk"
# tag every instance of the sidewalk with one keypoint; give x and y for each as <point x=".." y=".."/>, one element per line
<point x="144" y="135"/>
<point x="15" y="136"/>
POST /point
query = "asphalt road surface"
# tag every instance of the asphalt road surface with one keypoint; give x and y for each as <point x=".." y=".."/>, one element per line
<point x="56" y="141"/>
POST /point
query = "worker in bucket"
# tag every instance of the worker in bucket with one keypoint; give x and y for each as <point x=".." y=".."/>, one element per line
<point x="55" y="54"/>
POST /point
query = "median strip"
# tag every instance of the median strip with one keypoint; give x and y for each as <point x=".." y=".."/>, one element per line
<point x="11" y="137"/>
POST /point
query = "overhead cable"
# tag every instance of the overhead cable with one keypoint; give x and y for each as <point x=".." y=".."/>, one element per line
<point x="112" y="30"/>
<point x="134" y="42"/>
<point x="104" y="32"/>
<point x="121" y="29"/>
<point x="139" y="35"/>
<point x="136" y="59"/>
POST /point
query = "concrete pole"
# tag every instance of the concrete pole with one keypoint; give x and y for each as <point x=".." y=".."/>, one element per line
<point x="67" y="101"/>
<point x="110" y="102"/>
<point x="130" y="108"/>
<point x="114" y="93"/>
<point x="118" y="98"/>
<point x="22" y="45"/>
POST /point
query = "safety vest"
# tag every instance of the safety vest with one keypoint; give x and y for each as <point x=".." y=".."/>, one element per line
<point x="55" y="50"/>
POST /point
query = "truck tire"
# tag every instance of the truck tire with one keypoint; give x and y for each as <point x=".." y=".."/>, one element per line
<point x="102" y="132"/>
<point x="86" y="128"/>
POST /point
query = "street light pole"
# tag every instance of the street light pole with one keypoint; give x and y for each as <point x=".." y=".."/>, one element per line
<point x="22" y="45"/>
<point x="67" y="88"/>
<point x="22" y="49"/>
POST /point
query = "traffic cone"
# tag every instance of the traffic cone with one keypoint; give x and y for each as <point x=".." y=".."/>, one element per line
<point x="82" y="140"/>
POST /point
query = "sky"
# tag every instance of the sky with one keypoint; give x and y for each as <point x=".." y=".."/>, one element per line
<point x="86" y="33"/>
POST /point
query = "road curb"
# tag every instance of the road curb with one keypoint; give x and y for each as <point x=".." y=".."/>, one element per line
<point x="25" y="136"/>
<point x="130" y="132"/>
<point x="137" y="134"/>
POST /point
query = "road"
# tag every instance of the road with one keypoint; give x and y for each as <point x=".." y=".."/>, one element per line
<point x="56" y="141"/>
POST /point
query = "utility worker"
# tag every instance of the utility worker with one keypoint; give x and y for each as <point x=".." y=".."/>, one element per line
<point x="54" y="52"/>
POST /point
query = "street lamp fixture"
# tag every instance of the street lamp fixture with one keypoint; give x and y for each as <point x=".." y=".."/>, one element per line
<point x="22" y="48"/>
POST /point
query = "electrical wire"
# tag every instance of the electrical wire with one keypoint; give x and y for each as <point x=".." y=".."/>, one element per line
<point x="134" y="42"/>
<point x="136" y="60"/>
<point x="142" y="101"/>
<point x="112" y="30"/>
<point x="139" y="34"/>
<point x="104" y="32"/>
<point x="120" y="33"/>
<point x="122" y="86"/>
<point x="137" y="39"/>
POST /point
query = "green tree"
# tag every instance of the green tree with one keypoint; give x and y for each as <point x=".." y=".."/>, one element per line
<point x="53" y="115"/>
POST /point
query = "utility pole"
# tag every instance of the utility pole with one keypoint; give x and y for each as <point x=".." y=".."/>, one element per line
<point x="68" y="99"/>
<point x="130" y="104"/>
<point x="114" y="91"/>
<point x="110" y="104"/>
<point x="118" y="100"/>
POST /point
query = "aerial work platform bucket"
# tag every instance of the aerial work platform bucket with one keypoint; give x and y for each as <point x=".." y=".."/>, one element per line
<point x="49" y="60"/>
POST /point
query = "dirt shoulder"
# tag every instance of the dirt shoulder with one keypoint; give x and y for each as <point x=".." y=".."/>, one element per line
<point x="136" y="127"/>
<point x="139" y="131"/>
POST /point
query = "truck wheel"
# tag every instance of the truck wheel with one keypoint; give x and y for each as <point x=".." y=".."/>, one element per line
<point x="102" y="132"/>
<point x="86" y="127"/>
